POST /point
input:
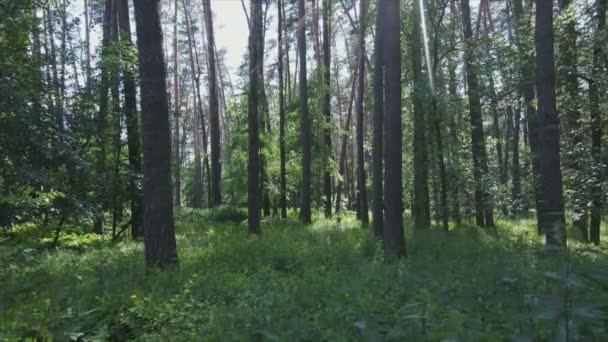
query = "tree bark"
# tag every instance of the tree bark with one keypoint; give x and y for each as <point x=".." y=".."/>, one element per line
<point x="394" y="242"/>
<point x="214" y="122"/>
<point x="378" y="128"/>
<point x="515" y="167"/>
<point x="527" y="89"/>
<point x="132" y="123"/>
<point x="283" y="176"/>
<point x="197" y="198"/>
<point x="361" y="175"/>
<point x="159" y="234"/>
<point x="484" y="215"/>
<point x="327" y="4"/>
<point x="421" y="205"/>
<point x="568" y="92"/>
<point x="596" y="123"/>
<point x="255" y="80"/>
<point x="177" y="161"/>
<point x="551" y="176"/>
<point x="305" y="214"/>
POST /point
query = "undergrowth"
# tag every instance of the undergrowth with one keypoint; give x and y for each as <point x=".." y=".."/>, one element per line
<point x="325" y="282"/>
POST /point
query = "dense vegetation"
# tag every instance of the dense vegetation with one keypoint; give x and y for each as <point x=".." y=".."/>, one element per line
<point x="326" y="281"/>
<point x="370" y="170"/>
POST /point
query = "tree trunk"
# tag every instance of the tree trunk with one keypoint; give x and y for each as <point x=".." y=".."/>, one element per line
<point x="515" y="168"/>
<point x="214" y="122"/>
<point x="102" y="117"/>
<point x="484" y="215"/>
<point x="527" y="89"/>
<point x="361" y="175"/>
<point x="159" y="235"/>
<point x="197" y="198"/>
<point x="394" y="242"/>
<point x="87" y="45"/>
<point x="327" y="102"/>
<point x="133" y="132"/>
<point x="378" y="128"/>
<point x="305" y="214"/>
<point x="551" y="175"/>
<point x="283" y="176"/>
<point x="453" y="129"/>
<point x="177" y="161"/>
<point x="255" y="80"/>
<point x="568" y="92"/>
<point x="596" y="123"/>
<point x="421" y="205"/>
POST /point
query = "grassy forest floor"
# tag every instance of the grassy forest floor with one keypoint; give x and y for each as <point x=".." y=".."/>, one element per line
<point x="326" y="282"/>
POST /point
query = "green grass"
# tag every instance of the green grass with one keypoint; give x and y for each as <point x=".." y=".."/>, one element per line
<point x="323" y="282"/>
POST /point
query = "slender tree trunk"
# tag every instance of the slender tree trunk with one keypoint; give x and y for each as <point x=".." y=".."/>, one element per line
<point x="394" y="242"/>
<point x="453" y="129"/>
<point x="159" y="235"/>
<point x="327" y="5"/>
<point x="255" y="80"/>
<point x="361" y="175"/>
<point x="305" y="134"/>
<point x="214" y="122"/>
<point x="527" y="88"/>
<point x="515" y="168"/>
<point x="484" y="215"/>
<point x="596" y="122"/>
<point x="132" y="123"/>
<point x="421" y="205"/>
<point x="197" y="197"/>
<point x="378" y="128"/>
<point x="87" y="45"/>
<point x="342" y="169"/>
<point x="551" y="175"/>
<point x="287" y="60"/>
<point x="568" y="91"/>
<point x="283" y="176"/>
<point x="177" y="161"/>
<point x="102" y="117"/>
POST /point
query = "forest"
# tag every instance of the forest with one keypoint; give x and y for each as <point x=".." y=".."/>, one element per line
<point x="303" y="170"/>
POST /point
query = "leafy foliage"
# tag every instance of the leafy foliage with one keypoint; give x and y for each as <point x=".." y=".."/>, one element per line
<point x="322" y="282"/>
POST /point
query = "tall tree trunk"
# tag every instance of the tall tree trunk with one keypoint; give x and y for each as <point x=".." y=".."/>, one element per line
<point x="197" y="197"/>
<point x="159" y="234"/>
<point x="394" y="242"/>
<point x="501" y="160"/>
<point x="132" y="123"/>
<point x="117" y="116"/>
<point x="484" y="215"/>
<point x="527" y="89"/>
<point x="453" y="130"/>
<point x="87" y="45"/>
<point x="255" y="79"/>
<point x="596" y="122"/>
<point x="327" y="4"/>
<point x="214" y="122"/>
<point x="361" y="175"/>
<point x="102" y="117"/>
<point x="283" y="176"/>
<point x="420" y="210"/>
<point x="378" y="127"/>
<point x="305" y="134"/>
<point x="515" y="168"/>
<point x="177" y="161"/>
<point x="568" y="92"/>
<point x="342" y="169"/>
<point x="551" y="175"/>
